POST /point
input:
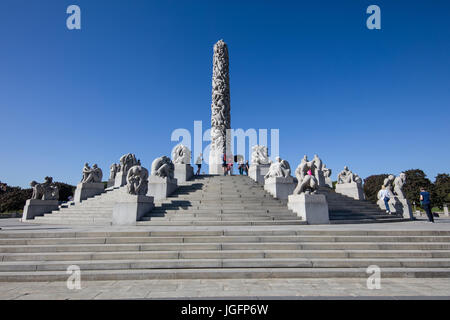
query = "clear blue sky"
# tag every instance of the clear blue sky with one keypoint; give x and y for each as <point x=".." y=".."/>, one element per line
<point x="377" y="101"/>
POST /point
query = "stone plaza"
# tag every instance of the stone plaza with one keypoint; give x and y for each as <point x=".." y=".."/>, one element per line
<point x="164" y="232"/>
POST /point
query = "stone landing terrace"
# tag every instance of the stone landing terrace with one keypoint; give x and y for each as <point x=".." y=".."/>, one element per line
<point x="286" y="262"/>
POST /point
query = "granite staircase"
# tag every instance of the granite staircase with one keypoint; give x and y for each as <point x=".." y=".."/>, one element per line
<point x="221" y="201"/>
<point x="343" y="209"/>
<point x="93" y="211"/>
<point x="221" y="253"/>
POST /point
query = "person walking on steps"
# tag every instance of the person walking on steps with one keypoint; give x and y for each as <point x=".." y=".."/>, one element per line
<point x="426" y="204"/>
<point x="246" y="167"/>
<point x="385" y="195"/>
<point x="198" y="162"/>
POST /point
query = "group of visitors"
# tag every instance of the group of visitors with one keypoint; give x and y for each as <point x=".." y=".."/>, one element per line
<point x="425" y="201"/>
<point x="227" y="165"/>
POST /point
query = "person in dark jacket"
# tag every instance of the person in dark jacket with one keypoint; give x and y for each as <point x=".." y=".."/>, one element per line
<point x="425" y="202"/>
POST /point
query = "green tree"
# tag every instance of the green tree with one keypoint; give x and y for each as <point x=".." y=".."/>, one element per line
<point x="415" y="179"/>
<point x="372" y="185"/>
<point x="441" y="190"/>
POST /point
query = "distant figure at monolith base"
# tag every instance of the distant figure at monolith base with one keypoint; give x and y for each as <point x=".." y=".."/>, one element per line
<point x="220" y="108"/>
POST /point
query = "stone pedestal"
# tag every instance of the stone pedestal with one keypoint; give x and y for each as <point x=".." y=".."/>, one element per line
<point x="183" y="172"/>
<point x="258" y="171"/>
<point x="280" y="187"/>
<point x="160" y="188"/>
<point x="312" y="208"/>
<point x="88" y="190"/>
<point x="36" y="207"/>
<point x="131" y="208"/>
<point x="398" y="206"/>
<point x="121" y="179"/>
<point x="405" y="208"/>
<point x="446" y="210"/>
<point x="352" y="190"/>
<point x="111" y="183"/>
<point x="328" y="182"/>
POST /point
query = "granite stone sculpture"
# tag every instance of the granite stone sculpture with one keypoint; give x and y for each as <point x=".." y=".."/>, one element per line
<point x="163" y="167"/>
<point x="137" y="180"/>
<point x="181" y="154"/>
<point x="45" y="191"/>
<point x="279" y="168"/>
<point x="388" y="182"/>
<point x="326" y="171"/>
<point x="307" y="182"/>
<point x="345" y="176"/>
<point x="398" y="185"/>
<point x="91" y="175"/>
<point x="113" y="171"/>
<point x="260" y="155"/>
<point x="220" y="107"/>
<point x="127" y="161"/>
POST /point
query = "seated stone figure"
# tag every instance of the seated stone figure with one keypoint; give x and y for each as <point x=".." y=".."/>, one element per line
<point x="163" y="167"/>
<point x="345" y="176"/>
<point x="137" y="180"/>
<point x="92" y="175"/>
<point x="46" y="190"/>
<point x="279" y="168"/>
<point x="260" y="155"/>
<point x="307" y="182"/>
<point x="181" y="154"/>
<point x="398" y="185"/>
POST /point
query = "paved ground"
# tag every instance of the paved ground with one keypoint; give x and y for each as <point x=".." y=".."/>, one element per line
<point x="232" y="289"/>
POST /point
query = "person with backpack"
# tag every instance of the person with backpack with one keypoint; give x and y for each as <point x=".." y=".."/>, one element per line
<point x="425" y="202"/>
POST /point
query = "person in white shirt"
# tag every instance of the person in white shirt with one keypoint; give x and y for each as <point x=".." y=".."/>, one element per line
<point x="385" y="195"/>
<point x="198" y="162"/>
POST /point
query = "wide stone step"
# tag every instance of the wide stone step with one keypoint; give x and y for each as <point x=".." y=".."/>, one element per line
<point x="222" y="223"/>
<point x="223" y="263"/>
<point x="219" y="239"/>
<point x="222" y="273"/>
<point x="226" y="246"/>
<point x="222" y="232"/>
<point x="230" y="254"/>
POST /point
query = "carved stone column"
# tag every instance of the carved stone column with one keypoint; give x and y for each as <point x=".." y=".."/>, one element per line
<point x="220" y="108"/>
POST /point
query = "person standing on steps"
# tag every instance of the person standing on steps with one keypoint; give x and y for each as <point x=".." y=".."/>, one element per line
<point x="198" y="162"/>
<point x="224" y="164"/>
<point x="241" y="167"/>
<point x="425" y="202"/>
<point x="385" y="195"/>
<point x="246" y="167"/>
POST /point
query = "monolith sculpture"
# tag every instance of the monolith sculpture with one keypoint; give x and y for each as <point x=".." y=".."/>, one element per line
<point x="220" y="109"/>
